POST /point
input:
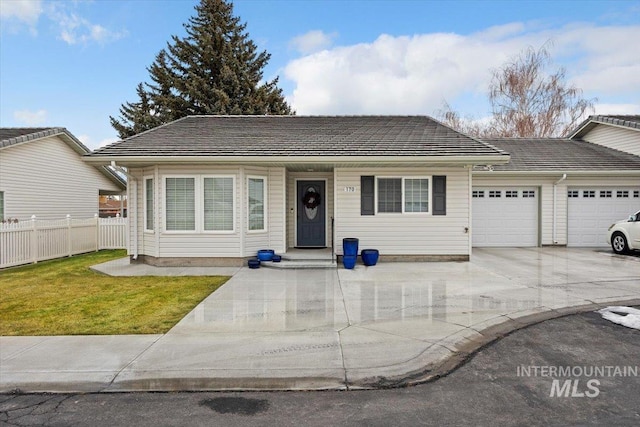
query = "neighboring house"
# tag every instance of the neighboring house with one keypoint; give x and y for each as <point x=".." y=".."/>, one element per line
<point x="42" y="173"/>
<point x="112" y="206"/>
<point x="554" y="191"/>
<point x="617" y="132"/>
<point x="215" y="189"/>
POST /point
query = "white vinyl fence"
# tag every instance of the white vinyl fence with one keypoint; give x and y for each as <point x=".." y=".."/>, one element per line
<point x="38" y="240"/>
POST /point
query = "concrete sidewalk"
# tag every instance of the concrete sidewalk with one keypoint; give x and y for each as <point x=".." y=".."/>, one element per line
<point x="391" y="324"/>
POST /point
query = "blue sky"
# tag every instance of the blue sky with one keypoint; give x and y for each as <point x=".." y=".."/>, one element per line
<point x="73" y="63"/>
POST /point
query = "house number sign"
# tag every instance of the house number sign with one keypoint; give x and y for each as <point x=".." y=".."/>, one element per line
<point x="350" y="189"/>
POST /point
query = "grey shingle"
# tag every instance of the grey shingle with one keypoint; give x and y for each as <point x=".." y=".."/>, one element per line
<point x="300" y="136"/>
<point x="561" y="154"/>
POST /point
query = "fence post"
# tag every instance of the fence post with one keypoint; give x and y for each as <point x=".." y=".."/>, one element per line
<point x="69" y="242"/>
<point x="34" y="239"/>
<point x="97" y="218"/>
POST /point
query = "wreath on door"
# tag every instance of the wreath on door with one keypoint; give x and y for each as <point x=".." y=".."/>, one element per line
<point x="311" y="199"/>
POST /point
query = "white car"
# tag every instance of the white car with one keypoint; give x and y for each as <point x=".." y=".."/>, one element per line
<point x="624" y="235"/>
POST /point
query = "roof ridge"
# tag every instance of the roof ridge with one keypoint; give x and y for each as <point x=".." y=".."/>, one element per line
<point x="41" y="133"/>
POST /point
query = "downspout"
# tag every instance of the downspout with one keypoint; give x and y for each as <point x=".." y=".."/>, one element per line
<point x="555" y="208"/>
<point x="132" y="203"/>
<point x="469" y="229"/>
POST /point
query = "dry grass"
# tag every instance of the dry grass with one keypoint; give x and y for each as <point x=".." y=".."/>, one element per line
<point x="64" y="297"/>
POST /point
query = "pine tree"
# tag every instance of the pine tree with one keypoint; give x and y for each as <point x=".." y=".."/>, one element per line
<point x="214" y="69"/>
<point x="140" y="115"/>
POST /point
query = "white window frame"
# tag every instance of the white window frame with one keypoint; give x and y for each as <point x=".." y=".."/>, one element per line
<point x="199" y="204"/>
<point x="146" y="206"/>
<point x="198" y="216"/>
<point x="200" y="197"/>
<point x="265" y="204"/>
<point x="429" y="178"/>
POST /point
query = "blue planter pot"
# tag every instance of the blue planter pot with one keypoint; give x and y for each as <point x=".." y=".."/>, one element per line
<point x="350" y="246"/>
<point x="276" y="258"/>
<point x="349" y="261"/>
<point x="265" y="254"/>
<point x="254" y="263"/>
<point x="369" y="256"/>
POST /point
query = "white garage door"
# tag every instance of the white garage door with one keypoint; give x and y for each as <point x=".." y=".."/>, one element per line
<point x="593" y="210"/>
<point x="505" y="216"/>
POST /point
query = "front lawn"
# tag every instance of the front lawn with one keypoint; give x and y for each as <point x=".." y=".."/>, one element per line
<point x="64" y="297"/>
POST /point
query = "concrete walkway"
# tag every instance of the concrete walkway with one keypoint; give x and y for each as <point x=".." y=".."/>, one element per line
<point x="391" y="324"/>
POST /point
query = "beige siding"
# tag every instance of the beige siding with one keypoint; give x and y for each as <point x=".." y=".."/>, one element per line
<point x="47" y="178"/>
<point x="162" y="243"/>
<point x="546" y="197"/>
<point x="147" y="244"/>
<point x="615" y="137"/>
<point x="291" y="206"/>
<point x="405" y="234"/>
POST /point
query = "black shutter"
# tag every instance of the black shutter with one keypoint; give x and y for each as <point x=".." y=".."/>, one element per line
<point x="439" y="195"/>
<point x="367" y="188"/>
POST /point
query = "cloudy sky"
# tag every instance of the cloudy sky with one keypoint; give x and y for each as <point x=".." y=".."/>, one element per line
<point x="73" y="63"/>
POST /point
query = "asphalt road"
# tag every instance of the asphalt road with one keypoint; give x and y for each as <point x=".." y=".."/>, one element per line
<point x="510" y="382"/>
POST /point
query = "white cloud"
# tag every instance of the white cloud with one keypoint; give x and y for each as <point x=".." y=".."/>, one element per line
<point x="413" y="75"/>
<point x="312" y="42"/>
<point x="94" y="144"/>
<point x="17" y="12"/>
<point x="74" y="29"/>
<point x="30" y="118"/>
<point x="71" y="27"/>
<point x="617" y="109"/>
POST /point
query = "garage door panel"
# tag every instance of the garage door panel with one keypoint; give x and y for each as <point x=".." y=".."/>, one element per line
<point x="590" y="217"/>
<point x="502" y="217"/>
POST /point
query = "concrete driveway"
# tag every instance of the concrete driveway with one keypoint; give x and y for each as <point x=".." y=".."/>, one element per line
<point x="391" y="324"/>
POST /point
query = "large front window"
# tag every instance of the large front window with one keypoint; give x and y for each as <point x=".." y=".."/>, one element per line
<point x="257" y="196"/>
<point x="218" y="204"/>
<point x="200" y="203"/>
<point x="181" y="204"/>
<point x="403" y="195"/>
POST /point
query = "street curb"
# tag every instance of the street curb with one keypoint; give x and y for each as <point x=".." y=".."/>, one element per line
<point x="468" y="350"/>
<point x="465" y="351"/>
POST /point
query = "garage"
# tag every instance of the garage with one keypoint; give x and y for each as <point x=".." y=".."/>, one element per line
<point x="505" y="216"/>
<point x="592" y="210"/>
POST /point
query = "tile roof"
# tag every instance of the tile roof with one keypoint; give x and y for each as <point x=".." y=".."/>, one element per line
<point x="628" y="121"/>
<point x="300" y="136"/>
<point x="561" y="154"/>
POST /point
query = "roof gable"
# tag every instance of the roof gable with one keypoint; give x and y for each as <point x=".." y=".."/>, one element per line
<point x="626" y="121"/>
<point x="10" y="137"/>
<point x="300" y="136"/>
<point x="15" y="136"/>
